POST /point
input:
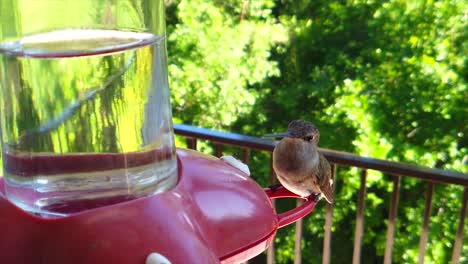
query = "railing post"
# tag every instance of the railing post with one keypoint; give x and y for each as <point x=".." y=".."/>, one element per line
<point x="328" y="224"/>
<point x="271" y="249"/>
<point x="461" y="223"/>
<point x="297" y="243"/>
<point x="425" y="227"/>
<point x="218" y="150"/>
<point x="246" y="156"/>
<point x="191" y="143"/>
<point x="392" y="220"/>
<point x="360" y="219"/>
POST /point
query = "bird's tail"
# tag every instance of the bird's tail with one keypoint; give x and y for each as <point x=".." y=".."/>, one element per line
<point x="327" y="192"/>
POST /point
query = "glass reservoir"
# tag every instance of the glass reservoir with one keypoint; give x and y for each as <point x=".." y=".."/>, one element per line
<point x="84" y="103"/>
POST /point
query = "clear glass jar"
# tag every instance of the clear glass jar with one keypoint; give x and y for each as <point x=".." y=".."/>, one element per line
<point x="85" y="113"/>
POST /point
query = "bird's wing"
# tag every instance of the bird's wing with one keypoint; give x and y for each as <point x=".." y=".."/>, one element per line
<point x="324" y="170"/>
<point x="326" y="180"/>
<point x="327" y="192"/>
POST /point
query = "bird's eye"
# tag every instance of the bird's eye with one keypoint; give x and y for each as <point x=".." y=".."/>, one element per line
<point x="308" y="138"/>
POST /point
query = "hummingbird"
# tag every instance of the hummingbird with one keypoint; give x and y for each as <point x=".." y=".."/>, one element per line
<point x="298" y="165"/>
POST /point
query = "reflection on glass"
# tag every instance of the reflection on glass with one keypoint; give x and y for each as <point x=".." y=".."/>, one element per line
<point x="85" y="119"/>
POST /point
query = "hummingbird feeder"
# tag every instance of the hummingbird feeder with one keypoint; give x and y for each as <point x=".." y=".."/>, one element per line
<point x="215" y="214"/>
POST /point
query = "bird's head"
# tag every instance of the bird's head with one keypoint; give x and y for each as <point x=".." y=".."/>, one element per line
<point x="301" y="130"/>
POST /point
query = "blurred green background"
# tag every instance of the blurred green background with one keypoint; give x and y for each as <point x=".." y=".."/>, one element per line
<point x="385" y="79"/>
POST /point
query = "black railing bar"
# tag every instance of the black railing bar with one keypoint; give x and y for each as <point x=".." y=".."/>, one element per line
<point x="343" y="158"/>
<point x="397" y="168"/>
<point x="224" y="137"/>
<point x="298" y="237"/>
<point x="457" y="247"/>
<point x="218" y="150"/>
<point x="392" y="220"/>
<point x="246" y="156"/>
<point x="359" y="230"/>
<point x="425" y="227"/>
<point x="271" y="248"/>
<point x="329" y="222"/>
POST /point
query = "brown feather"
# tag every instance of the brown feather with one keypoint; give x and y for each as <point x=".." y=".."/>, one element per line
<point x="325" y="175"/>
<point x="327" y="192"/>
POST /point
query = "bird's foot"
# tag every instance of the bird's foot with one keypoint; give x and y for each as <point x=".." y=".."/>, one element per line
<point x="315" y="197"/>
<point x="275" y="187"/>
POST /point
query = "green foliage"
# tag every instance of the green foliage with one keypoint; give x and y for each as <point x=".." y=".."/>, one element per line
<point x="217" y="51"/>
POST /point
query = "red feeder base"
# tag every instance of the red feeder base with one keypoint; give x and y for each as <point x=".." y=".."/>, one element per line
<point x="215" y="214"/>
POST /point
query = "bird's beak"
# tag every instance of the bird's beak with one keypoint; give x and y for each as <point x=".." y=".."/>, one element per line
<point x="278" y="136"/>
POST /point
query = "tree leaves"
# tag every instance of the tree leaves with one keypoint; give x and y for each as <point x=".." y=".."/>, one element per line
<point x="215" y="57"/>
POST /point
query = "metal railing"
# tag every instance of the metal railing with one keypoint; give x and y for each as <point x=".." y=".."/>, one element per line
<point x="395" y="169"/>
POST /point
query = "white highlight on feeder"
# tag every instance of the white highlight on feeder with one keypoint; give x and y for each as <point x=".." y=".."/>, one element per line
<point x="156" y="258"/>
<point x="236" y="164"/>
